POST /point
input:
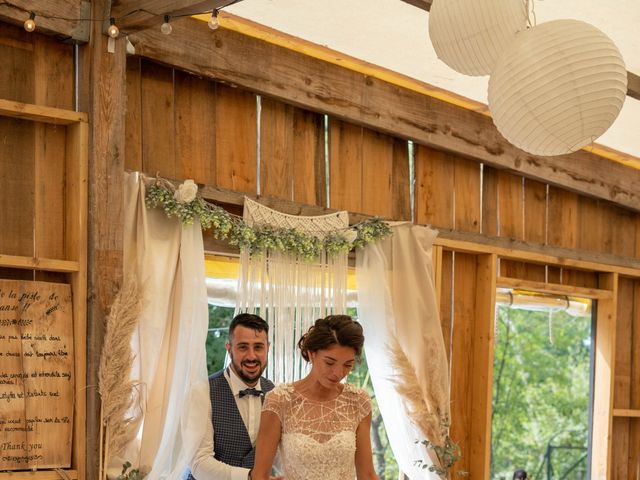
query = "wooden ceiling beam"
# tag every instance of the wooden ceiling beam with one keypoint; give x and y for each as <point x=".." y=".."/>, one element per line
<point x="423" y="4"/>
<point x="454" y="240"/>
<point x="135" y="15"/>
<point x="54" y="17"/>
<point x="313" y="84"/>
<point x="633" y="85"/>
<point x="633" y="80"/>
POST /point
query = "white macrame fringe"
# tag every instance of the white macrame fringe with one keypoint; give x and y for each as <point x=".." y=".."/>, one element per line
<point x="289" y="293"/>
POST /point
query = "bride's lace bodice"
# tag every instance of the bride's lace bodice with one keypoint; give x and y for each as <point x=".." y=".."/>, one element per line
<point x="318" y="439"/>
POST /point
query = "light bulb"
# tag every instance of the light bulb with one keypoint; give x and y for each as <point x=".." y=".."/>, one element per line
<point x="113" y="31"/>
<point x="213" y="21"/>
<point x="166" y="27"/>
<point x="30" y="24"/>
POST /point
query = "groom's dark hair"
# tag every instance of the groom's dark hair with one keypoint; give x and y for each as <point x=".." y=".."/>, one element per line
<point x="249" y="320"/>
<point x="332" y="330"/>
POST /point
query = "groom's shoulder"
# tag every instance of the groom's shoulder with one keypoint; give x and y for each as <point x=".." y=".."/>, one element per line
<point x="214" y="377"/>
<point x="266" y="384"/>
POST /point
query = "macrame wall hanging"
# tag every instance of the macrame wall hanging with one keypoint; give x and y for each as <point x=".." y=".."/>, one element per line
<point x="290" y="292"/>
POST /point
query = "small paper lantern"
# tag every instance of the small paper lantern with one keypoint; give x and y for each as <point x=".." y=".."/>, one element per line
<point x="557" y="88"/>
<point x="470" y="35"/>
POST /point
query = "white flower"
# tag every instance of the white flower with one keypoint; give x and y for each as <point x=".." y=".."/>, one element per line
<point x="350" y="235"/>
<point x="186" y="192"/>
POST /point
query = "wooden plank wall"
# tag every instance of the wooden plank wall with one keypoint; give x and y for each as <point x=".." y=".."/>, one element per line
<point x="626" y="430"/>
<point x="35" y="69"/>
<point x="182" y="126"/>
<point x="43" y="190"/>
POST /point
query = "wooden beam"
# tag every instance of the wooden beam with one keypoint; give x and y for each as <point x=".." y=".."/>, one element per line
<point x="475" y="243"/>
<point x="135" y="15"/>
<point x="54" y="17"/>
<point x="628" y="413"/>
<point x="482" y="379"/>
<point x="76" y="206"/>
<point x="603" y="382"/>
<point x="529" y="252"/>
<point x="102" y="94"/>
<point x="315" y="85"/>
<point x="553" y="288"/>
<point x="36" y="263"/>
<point x="40" y="475"/>
<point x="422" y="4"/>
<point x="39" y="113"/>
<point x="633" y="85"/>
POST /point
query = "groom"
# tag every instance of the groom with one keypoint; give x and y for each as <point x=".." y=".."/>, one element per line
<point x="237" y="393"/>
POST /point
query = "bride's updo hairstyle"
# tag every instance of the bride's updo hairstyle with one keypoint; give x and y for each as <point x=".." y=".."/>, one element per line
<point x="332" y="330"/>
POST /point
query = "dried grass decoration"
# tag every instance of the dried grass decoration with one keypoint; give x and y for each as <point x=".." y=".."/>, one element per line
<point x="429" y="413"/>
<point x="121" y="413"/>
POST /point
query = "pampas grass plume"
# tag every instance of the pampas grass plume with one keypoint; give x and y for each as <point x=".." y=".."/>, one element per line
<point x="121" y="413"/>
<point x="426" y="414"/>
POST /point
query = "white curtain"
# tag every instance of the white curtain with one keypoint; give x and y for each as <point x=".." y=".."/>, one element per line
<point x="396" y="296"/>
<point x="167" y="259"/>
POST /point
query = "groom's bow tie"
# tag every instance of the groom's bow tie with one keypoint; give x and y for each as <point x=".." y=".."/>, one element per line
<point x="251" y="391"/>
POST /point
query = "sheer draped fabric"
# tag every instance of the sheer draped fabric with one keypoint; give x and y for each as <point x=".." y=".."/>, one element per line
<point x="396" y="297"/>
<point x="318" y="438"/>
<point x="167" y="260"/>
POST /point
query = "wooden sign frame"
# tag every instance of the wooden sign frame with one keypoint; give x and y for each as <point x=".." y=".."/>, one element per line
<point x="74" y="263"/>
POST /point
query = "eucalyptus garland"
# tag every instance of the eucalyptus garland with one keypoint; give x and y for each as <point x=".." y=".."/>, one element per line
<point x="188" y="206"/>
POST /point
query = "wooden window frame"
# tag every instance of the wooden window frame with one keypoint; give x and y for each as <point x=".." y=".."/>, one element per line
<point x="487" y="281"/>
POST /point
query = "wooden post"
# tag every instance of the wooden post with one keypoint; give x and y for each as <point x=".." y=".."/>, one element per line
<point x="482" y="381"/>
<point x="102" y="95"/>
<point x="604" y="380"/>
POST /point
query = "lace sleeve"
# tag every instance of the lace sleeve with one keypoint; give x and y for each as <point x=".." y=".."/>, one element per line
<point x="274" y="402"/>
<point x="364" y="404"/>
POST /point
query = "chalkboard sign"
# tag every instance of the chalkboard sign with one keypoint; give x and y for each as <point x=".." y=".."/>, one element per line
<point x="36" y="375"/>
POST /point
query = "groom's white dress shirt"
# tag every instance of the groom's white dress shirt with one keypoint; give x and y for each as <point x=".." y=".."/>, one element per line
<point x="204" y="466"/>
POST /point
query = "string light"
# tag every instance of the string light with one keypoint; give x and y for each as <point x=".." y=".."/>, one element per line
<point x="213" y="21"/>
<point x="113" y="31"/>
<point x="166" y="27"/>
<point x="30" y="23"/>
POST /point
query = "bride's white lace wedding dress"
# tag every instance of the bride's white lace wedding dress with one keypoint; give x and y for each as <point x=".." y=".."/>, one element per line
<point x="318" y="439"/>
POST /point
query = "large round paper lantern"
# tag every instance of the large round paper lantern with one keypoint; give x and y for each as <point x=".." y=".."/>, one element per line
<point x="557" y="88"/>
<point x="470" y="35"/>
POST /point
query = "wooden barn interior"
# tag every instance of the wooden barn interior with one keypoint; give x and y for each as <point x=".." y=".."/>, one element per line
<point x="78" y="110"/>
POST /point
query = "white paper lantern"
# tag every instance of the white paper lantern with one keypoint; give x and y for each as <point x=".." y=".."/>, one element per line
<point x="558" y="88"/>
<point x="470" y="35"/>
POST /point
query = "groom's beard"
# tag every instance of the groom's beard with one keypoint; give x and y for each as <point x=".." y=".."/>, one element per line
<point x="249" y="371"/>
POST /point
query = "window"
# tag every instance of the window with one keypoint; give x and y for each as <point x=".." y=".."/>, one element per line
<point x="219" y="320"/>
<point x="541" y="386"/>
<point x="221" y="275"/>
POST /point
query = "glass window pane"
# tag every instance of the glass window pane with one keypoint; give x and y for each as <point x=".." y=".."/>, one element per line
<point x="541" y="387"/>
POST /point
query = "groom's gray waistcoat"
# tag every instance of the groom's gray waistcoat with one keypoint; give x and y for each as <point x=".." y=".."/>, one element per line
<point x="231" y="442"/>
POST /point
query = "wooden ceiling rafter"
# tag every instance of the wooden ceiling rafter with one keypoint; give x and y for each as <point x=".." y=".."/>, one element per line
<point x="633" y="80"/>
<point x="135" y="15"/>
<point x="60" y="19"/>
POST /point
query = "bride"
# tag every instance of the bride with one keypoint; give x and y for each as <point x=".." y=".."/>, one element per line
<point x="320" y="424"/>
